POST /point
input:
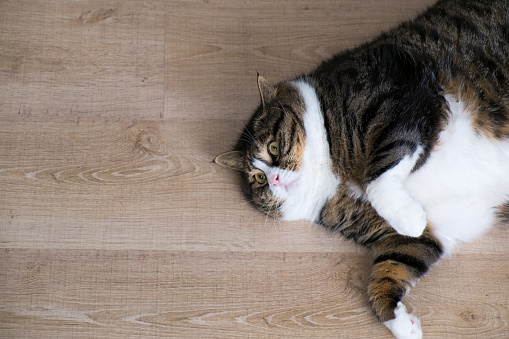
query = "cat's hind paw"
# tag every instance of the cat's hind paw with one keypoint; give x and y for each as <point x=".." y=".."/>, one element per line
<point x="405" y="325"/>
<point x="399" y="209"/>
<point x="409" y="219"/>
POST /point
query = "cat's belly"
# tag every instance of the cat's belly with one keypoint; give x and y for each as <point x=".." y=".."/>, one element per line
<point x="465" y="178"/>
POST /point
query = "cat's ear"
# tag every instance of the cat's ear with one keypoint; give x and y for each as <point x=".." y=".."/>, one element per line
<point x="267" y="91"/>
<point x="233" y="160"/>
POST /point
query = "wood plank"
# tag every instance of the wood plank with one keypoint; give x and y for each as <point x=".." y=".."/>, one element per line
<point x="232" y="294"/>
<point x="82" y="58"/>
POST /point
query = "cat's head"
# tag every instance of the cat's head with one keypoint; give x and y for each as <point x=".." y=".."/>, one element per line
<point x="278" y="155"/>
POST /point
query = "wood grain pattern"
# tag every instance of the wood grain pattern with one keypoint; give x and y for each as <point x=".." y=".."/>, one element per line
<point x="115" y="223"/>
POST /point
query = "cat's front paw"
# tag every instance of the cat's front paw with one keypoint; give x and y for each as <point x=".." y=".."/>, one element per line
<point x="405" y="325"/>
<point x="408" y="219"/>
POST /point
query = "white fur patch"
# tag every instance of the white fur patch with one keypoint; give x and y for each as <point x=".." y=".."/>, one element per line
<point x="405" y="325"/>
<point x="464" y="179"/>
<point x="354" y="190"/>
<point x="389" y="197"/>
<point x="316" y="183"/>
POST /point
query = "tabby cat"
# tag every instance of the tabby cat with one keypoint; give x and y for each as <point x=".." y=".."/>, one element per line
<point x="401" y="144"/>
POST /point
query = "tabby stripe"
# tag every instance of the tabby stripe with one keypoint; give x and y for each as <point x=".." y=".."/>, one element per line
<point x="420" y="266"/>
<point x="376" y="172"/>
<point x="384" y="158"/>
<point x="380" y="158"/>
<point x="389" y="280"/>
<point x="287" y="145"/>
<point x="252" y="160"/>
<point x="278" y="122"/>
<point x="398" y="240"/>
<point x="300" y="123"/>
<point x="371" y="112"/>
<point x="384" y="163"/>
<point x="426" y="29"/>
<point x="385" y="133"/>
<point x="411" y="145"/>
<point x="373" y="238"/>
<point x="463" y="22"/>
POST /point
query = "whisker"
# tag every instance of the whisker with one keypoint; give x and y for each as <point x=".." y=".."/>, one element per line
<point x="253" y="142"/>
<point x="249" y="137"/>
<point x="252" y="216"/>
<point x="277" y="221"/>
<point x="258" y="211"/>
<point x="247" y="202"/>
<point x="246" y="131"/>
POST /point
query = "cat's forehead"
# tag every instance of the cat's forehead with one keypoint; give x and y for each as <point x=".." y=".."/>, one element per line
<point x="286" y="94"/>
<point x="278" y="114"/>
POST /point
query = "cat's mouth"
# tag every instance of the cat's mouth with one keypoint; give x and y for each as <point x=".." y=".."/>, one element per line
<point x="282" y="185"/>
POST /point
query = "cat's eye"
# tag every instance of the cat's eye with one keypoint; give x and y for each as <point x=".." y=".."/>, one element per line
<point x="261" y="178"/>
<point x="273" y="149"/>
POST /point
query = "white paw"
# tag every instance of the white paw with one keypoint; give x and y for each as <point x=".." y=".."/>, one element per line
<point x="408" y="219"/>
<point x="393" y="202"/>
<point x="405" y="325"/>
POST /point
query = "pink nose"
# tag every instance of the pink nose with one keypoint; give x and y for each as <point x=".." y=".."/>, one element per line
<point x="274" y="180"/>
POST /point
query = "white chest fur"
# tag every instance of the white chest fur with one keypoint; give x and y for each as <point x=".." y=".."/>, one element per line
<point x="316" y="183"/>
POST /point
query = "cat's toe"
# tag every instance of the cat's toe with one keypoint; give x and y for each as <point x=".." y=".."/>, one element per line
<point x="410" y="220"/>
<point x="405" y="325"/>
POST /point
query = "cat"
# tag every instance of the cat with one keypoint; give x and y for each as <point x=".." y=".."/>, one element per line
<point x="400" y="144"/>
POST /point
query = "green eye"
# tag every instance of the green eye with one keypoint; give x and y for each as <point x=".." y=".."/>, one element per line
<point x="261" y="178"/>
<point x="273" y="149"/>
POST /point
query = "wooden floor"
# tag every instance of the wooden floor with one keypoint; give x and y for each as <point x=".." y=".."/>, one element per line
<point x="114" y="223"/>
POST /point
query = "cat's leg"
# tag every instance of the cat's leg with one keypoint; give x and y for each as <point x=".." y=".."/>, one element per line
<point x="392" y="200"/>
<point x="399" y="262"/>
<point x="390" y="281"/>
